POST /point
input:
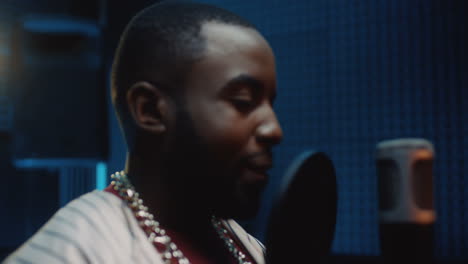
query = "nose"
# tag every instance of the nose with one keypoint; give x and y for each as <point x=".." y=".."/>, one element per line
<point x="269" y="131"/>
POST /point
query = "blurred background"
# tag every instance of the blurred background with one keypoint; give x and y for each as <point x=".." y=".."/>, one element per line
<point x="351" y="73"/>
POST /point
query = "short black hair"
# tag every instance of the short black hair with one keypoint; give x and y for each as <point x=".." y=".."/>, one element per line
<point x="160" y="44"/>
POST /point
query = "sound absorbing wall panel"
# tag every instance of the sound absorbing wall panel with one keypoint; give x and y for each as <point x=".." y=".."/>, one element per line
<point x="58" y="89"/>
<point x="354" y="72"/>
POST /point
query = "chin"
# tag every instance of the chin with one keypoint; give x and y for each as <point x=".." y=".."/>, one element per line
<point x="238" y="209"/>
<point x="238" y="215"/>
<point x="241" y="202"/>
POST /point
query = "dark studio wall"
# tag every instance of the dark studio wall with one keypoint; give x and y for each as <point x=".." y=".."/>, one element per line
<point x="55" y="141"/>
<point x="53" y="120"/>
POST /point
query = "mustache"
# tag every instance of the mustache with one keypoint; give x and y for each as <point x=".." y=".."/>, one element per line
<point x="260" y="160"/>
<point x="268" y="154"/>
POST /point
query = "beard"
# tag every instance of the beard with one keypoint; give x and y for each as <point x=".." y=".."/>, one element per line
<point x="201" y="178"/>
<point x="191" y="167"/>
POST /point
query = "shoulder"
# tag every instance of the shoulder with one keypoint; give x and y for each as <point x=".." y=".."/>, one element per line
<point x="85" y="230"/>
<point x="253" y="245"/>
<point x="96" y="211"/>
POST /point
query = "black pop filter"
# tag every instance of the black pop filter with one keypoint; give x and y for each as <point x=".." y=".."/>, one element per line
<point x="302" y="223"/>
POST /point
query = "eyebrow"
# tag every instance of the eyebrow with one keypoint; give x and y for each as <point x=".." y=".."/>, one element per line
<point x="245" y="79"/>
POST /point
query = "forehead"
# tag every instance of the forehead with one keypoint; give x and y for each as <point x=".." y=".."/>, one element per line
<point x="230" y="51"/>
<point x="221" y="38"/>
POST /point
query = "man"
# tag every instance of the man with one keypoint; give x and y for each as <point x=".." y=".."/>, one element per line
<point x="193" y="87"/>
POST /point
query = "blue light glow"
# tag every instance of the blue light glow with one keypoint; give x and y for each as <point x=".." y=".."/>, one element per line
<point x="101" y="175"/>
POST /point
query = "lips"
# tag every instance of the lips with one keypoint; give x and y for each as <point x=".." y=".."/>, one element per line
<point x="258" y="164"/>
<point x="260" y="161"/>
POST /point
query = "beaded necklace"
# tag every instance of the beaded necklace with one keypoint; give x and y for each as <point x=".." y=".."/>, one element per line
<point x="156" y="234"/>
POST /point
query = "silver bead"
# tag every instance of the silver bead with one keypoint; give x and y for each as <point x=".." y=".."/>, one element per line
<point x="141" y="213"/>
<point x="184" y="261"/>
<point x="173" y="246"/>
<point x="161" y="239"/>
<point x="177" y="254"/>
<point x="167" y="255"/>
<point x="148" y="223"/>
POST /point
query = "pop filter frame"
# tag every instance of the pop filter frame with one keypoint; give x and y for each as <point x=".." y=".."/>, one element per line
<point x="301" y="226"/>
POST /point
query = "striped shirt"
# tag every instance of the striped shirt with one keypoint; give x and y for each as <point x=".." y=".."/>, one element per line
<point x="98" y="227"/>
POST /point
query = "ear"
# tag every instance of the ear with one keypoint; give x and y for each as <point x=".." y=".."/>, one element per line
<point x="149" y="107"/>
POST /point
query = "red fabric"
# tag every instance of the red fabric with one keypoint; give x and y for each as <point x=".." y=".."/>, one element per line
<point x="194" y="257"/>
<point x="111" y="190"/>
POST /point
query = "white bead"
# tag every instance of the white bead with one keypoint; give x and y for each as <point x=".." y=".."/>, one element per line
<point x="126" y="190"/>
<point x="161" y="239"/>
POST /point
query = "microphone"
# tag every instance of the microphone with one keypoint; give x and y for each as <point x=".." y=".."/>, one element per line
<point x="406" y="206"/>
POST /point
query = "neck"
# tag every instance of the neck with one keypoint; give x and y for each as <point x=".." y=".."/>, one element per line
<point x="170" y="202"/>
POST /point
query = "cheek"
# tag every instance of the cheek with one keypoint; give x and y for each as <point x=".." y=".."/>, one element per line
<point x="226" y="135"/>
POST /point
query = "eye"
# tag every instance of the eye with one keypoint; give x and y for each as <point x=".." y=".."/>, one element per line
<point x="243" y="99"/>
<point x="243" y="104"/>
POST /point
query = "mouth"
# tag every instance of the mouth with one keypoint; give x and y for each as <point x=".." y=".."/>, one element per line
<point x="258" y="165"/>
<point x="260" y="160"/>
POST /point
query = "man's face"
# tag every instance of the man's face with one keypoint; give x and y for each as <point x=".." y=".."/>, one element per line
<point x="227" y="121"/>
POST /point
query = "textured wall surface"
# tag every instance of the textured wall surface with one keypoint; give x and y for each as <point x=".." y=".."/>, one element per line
<point x="353" y="73"/>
